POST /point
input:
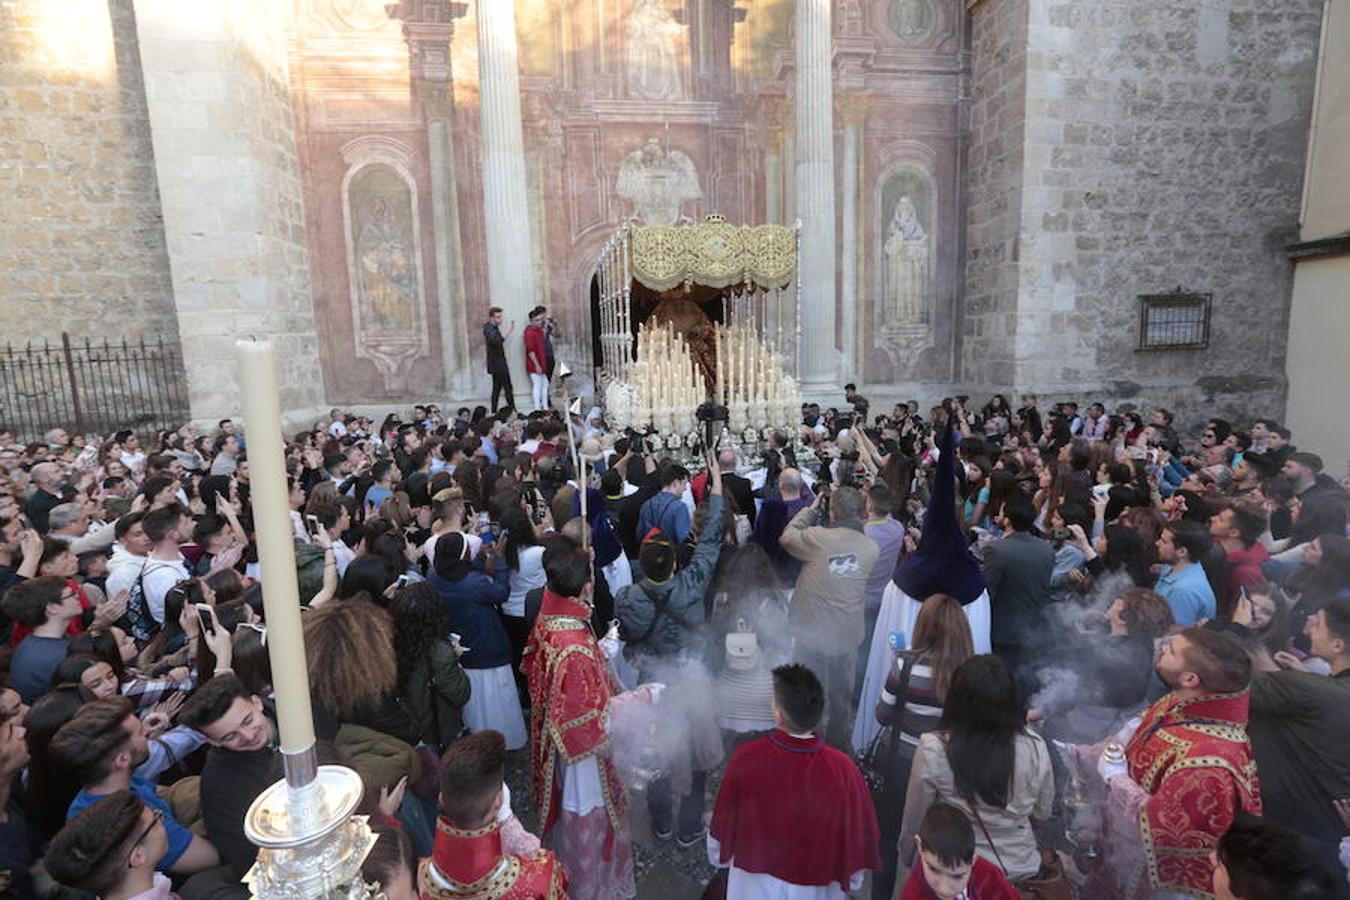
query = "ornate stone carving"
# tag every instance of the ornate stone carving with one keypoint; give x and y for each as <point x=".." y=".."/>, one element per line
<point x="907" y="258"/>
<point x="911" y="20"/>
<point x="907" y="264"/>
<point x="652" y="40"/>
<point x="384" y="256"/>
<point x="658" y="182"/>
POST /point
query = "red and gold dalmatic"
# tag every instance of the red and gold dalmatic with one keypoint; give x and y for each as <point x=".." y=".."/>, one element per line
<point x="570" y="688"/>
<point x="1192" y="763"/>
<point x="470" y="865"/>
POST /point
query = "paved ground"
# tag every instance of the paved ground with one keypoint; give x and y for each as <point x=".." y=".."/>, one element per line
<point x="664" y="870"/>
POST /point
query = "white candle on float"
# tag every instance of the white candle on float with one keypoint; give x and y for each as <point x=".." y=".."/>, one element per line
<point x="717" y="363"/>
<point x="727" y="377"/>
<point x="758" y="371"/>
<point x="749" y="363"/>
<point x="268" y="496"/>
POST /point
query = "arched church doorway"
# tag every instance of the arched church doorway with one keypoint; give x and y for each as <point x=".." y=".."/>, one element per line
<point x="692" y="310"/>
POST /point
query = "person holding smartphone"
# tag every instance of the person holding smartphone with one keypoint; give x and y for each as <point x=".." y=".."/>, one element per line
<point x="497" y="368"/>
<point x="472" y="592"/>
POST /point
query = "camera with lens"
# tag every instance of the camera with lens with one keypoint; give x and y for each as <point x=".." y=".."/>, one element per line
<point x="636" y="444"/>
<point x="708" y="415"/>
<point x="711" y="412"/>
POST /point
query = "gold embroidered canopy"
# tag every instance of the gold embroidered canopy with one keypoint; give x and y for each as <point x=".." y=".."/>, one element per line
<point x="752" y="265"/>
<point x="715" y="253"/>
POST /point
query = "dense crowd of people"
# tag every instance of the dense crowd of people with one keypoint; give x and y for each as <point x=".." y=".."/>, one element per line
<point x="976" y="653"/>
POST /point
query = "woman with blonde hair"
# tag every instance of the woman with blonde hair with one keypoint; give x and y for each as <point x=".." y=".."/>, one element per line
<point x="397" y="511"/>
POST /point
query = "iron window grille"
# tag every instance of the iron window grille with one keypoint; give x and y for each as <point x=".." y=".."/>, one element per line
<point x="1175" y="321"/>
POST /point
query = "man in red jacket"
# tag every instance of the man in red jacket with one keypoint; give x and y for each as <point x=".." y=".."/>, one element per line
<point x="792" y="811"/>
<point x="1238" y="527"/>
<point x="536" y="358"/>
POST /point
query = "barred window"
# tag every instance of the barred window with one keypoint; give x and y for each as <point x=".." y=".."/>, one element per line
<point x="1175" y="321"/>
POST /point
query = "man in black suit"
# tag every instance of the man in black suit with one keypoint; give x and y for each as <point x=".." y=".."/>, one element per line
<point x="739" y="489"/>
<point x="495" y="341"/>
<point x="1018" y="570"/>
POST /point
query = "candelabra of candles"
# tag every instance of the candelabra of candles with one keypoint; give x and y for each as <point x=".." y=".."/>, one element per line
<point x="664" y="387"/>
<point x="752" y="382"/>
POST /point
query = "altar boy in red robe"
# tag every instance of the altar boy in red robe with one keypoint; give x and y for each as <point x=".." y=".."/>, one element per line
<point x="575" y="787"/>
<point x="467" y="860"/>
<point x="793" y="814"/>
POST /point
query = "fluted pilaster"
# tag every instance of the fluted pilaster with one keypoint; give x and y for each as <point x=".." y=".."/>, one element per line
<point x="853" y="110"/>
<point x="815" y="194"/>
<point x="512" y="281"/>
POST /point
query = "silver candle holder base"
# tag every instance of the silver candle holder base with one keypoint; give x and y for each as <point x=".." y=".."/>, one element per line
<point x="310" y="845"/>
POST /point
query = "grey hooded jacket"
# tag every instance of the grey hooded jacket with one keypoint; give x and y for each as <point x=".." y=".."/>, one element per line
<point x="666" y="620"/>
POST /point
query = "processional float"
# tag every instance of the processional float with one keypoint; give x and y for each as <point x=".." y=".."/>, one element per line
<point x="659" y="367"/>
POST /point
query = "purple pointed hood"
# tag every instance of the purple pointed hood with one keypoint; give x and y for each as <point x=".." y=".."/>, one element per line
<point x="943" y="563"/>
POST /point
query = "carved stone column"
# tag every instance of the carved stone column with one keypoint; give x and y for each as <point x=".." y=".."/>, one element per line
<point x="428" y="28"/>
<point x="854" y="111"/>
<point x="815" y="194"/>
<point x="774" y="123"/>
<point x="512" y="280"/>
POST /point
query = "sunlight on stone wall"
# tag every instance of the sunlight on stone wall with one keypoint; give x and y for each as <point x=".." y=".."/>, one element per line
<point x="67" y="40"/>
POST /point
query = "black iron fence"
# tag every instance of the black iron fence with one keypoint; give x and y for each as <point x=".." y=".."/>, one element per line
<point x="89" y="386"/>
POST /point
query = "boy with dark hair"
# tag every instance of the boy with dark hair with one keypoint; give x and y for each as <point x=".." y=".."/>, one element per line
<point x="167" y="528"/>
<point x="105" y="743"/>
<point x="949" y="868"/>
<point x="468" y="846"/>
<point x="666" y="510"/>
<point x="1182" y="581"/>
<point x="110" y="850"/>
<point x="245" y="760"/>
<point x="661" y="618"/>
<point x="792" y="811"/>
<point x="47" y="605"/>
<point x="1259" y="860"/>
<point x="1238" y="526"/>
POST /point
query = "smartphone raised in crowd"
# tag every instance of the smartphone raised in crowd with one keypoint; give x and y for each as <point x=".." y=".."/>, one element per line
<point x="204" y="616"/>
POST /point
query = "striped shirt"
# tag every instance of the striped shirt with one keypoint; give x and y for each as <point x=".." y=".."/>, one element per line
<point x="922" y="707"/>
<point x="146" y="692"/>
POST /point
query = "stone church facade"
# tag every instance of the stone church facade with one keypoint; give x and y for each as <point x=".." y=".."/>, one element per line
<point x="1010" y="176"/>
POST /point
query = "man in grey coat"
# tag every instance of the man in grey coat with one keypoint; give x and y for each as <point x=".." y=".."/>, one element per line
<point x="826" y="615"/>
<point x="661" y="622"/>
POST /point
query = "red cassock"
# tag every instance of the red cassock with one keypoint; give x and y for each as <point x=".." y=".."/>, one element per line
<point x="570" y="688"/>
<point x="1193" y="759"/>
<point x="470" y="865"/>
<point x="795" y="809"/>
